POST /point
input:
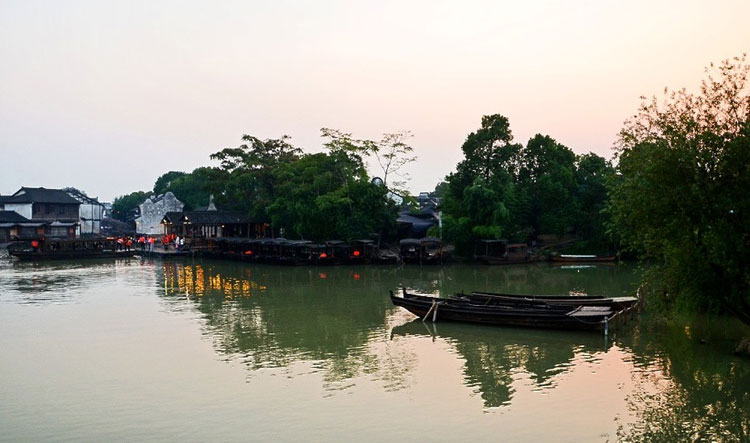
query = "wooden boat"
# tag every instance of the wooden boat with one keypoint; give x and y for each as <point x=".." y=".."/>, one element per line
<point x="543" y="315"/>
<point x="569" y="300"/>
<point x="500" y="252"/>
<point x="568" y="258"/>
<point x="68" y="249"/>
<point x="426" y="251"/>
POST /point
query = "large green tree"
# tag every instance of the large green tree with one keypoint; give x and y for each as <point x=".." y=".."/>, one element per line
<point x="506" y="190"/>
<point x="123" y="206"/>
<point x="312" y="196"/>
<point x="682" y="193"/>
<point x="250" y="172"/>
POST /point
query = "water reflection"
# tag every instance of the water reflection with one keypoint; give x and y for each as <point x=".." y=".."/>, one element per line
<point x="54" y="281"/>
<point x="340" y="324"/>
<point x="496" y="357"/>
<point x="687" y="383"/>
<point x="271" y="317"/>
<point x="339" y="318"/>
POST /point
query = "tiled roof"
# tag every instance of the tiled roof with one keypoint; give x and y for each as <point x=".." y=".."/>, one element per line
<point x="216" y="217"/>
<point x="12" y="217"/>
<point x="40" y="195"/>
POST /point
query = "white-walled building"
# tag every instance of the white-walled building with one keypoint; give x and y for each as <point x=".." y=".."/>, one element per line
<point x="153" y="211"/>
<point x="90" y="213"/>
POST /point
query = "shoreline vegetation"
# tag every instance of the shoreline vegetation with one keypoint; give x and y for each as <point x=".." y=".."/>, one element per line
<point x="675" y="192"/>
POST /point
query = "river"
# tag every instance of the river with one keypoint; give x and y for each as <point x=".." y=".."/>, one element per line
<point x="200" y="350"/>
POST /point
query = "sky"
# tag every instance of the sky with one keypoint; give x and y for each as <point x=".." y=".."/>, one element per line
<point x="106" y="96"/>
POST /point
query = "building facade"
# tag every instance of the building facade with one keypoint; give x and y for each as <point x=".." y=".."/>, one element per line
<point x="152" y="211"/>
<point x="47" y="212"/>
<point x="53" y="208"/>
<point x="90" y="213"/>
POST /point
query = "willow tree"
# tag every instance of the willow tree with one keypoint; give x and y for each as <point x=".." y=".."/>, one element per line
<point x="681" y="196"/>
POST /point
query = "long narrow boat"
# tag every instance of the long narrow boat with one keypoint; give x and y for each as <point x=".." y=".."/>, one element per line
<point x="568" y="258"/>
<point x="568" y="300"/>
<point x="542" y="315"/>
<point x="68" y="249"/>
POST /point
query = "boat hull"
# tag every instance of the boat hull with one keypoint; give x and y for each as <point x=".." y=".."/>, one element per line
<point x="70" y="255"/>
<point x="554" y="317"/>
<point x="583" y="259"/>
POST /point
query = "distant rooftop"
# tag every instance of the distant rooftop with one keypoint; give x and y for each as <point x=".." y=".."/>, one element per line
<point x="40" y="195"/>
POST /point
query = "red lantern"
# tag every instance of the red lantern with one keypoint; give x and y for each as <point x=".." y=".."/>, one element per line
<point x="248" y="252"/>
<point x="356" y="253"/>
<point x="34" y="244"/>
<point x="323" y="255"/>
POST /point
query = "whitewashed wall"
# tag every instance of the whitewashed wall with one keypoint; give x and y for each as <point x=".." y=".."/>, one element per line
<point x="22" y="208"/>
<point x="153" y="211"/>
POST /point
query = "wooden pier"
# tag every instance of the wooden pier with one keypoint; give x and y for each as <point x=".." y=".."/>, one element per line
<point x="165" y="255"/>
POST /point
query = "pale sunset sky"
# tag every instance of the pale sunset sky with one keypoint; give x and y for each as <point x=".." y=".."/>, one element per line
<point x="106" y="96"/>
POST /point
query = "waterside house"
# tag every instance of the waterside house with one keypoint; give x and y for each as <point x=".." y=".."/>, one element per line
<point x="14" y="226"/>
<point x="213" y="223"/>
<point x="53" y="208"/>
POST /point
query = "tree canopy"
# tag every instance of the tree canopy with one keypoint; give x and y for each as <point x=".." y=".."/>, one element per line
<point x="681" y="192"/>
<point x="123" y="206"/>
<point x="503" y="189"/>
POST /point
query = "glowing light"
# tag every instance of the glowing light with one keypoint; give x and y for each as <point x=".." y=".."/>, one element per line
<point x="356" y="253"/>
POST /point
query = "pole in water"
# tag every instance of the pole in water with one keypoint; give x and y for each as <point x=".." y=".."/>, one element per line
<point x="434" y="312"/>
<point x="606" y="327"/>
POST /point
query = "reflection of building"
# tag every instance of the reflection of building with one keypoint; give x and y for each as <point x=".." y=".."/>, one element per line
<point x="153" y="211"/>
<point x="194" y="281"/>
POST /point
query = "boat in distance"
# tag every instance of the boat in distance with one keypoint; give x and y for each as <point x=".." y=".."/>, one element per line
<point x="509" y="313"/>
<point x="69" y="249"/>
<point x="570" y="258"/>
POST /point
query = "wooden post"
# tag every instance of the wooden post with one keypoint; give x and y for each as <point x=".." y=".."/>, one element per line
<point x="428" y="311"/>
<point x="434" y="312"/>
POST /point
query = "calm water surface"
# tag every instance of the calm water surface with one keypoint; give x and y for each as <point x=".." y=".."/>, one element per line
<point x="216" y="351"/>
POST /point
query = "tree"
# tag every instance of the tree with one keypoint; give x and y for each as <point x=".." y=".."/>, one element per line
<point x="490" y="149"/>
<point x="592" y="175"/>
<point x="547" y="179"/>
<point x="248" y="173"/>
<point x="123" y="206"/>
<point x="392" y="154"/>
<point x="163" y="183"/>
<point x="681" y="195"/>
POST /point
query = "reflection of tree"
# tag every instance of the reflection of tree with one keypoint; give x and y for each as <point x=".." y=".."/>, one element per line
<point x="271" y="317"/>
<point x="493" y="354"/>
<point x="685" y="390"/>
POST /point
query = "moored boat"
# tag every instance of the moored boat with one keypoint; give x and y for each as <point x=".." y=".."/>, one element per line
<point x="69" y="249"/>
<point x="500" y="252"/>
<point x="584" y="258"/>
<point x="542" y="315"/>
